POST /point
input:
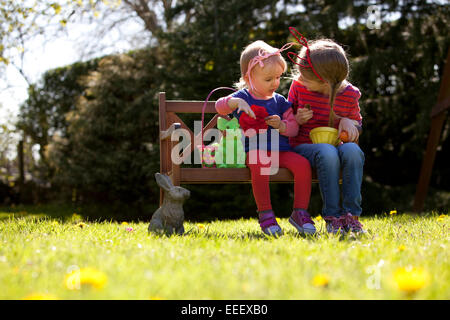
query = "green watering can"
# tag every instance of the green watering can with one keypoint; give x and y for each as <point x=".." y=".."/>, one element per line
<point x="230" y="152"/>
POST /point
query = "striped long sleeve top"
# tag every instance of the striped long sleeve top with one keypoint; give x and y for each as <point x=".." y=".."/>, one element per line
<point x="346" y="105"/>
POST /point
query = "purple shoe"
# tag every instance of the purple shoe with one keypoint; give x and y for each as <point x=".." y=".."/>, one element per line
<point x="334" y="225"/>
<point x="352" y="224"/>
<point x="268" y="224"/>
<point x="302" y="221"/>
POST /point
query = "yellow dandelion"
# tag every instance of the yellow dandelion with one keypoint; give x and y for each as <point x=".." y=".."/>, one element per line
<point x="318" y="218"/>
<point x="393" y="212"/>
<point x="401" y="248"/>
<point x="80" y="278"/>
<point x="410" y="280"/>
<point x="124" y="223"/>
<point x="320" y="280"/>
<point x="81" y="225"/>
<point x="200" y="226"/>
<point x="441" y="217"/>
<point x="40" y="296"/>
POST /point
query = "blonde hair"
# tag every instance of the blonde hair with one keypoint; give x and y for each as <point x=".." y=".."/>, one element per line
<point x="251" y="51"/>
<point x="330" y="62"/>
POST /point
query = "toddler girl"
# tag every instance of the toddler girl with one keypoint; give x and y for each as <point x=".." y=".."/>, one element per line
<point x="261" y="69"/>
<point x="321" y="81"/>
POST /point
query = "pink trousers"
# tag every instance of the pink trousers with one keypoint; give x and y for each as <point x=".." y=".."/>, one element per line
<point x="260" y="164"/>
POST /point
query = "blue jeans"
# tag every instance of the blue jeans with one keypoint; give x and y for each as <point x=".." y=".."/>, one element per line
<point x="328" y="161"/>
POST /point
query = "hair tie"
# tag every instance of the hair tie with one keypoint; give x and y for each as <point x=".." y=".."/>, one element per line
<point x="304" y="43"/>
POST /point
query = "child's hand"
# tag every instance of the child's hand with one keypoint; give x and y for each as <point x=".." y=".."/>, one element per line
<point x="303" y="115"/>
<point x="348" y="125"/>
<point x="274" y="121"/>
<point x="242" y="105"/>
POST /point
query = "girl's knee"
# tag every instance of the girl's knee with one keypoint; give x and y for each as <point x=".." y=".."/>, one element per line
<point x="327" y="155"/>
<point x="351" y="152"/>
<point x="328" y="150"/>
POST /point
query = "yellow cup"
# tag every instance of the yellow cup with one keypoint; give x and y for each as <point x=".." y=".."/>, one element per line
<point x="324" y="135"/>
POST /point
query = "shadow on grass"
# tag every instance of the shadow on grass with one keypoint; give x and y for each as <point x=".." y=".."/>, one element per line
<point x="62" y="213"/>
<point x="257" y="235"/>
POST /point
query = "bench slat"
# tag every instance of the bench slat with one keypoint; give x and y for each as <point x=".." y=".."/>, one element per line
<point x="180" y="106"/>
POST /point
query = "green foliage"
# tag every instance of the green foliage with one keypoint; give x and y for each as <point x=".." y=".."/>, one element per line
<point x="43" y="115"/>
<point x="108" y="156"/>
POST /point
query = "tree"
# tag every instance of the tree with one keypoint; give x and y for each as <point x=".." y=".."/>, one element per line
<point x="107" y="151"/>
<point x="43" y="114"/>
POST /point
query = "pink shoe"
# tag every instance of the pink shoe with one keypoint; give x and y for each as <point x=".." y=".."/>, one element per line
<point x="268" y="224"/>
<point x="351" y="223"/>
<point x="302" y="221"/>
<point x="334" y="225"/>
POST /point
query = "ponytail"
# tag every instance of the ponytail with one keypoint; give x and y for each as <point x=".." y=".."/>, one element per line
<point x="333" y="92"/>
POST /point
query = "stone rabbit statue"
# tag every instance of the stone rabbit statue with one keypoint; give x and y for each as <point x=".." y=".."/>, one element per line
<point x="170" y="216"/>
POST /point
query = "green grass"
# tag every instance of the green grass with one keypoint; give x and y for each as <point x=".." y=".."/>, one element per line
<point x="221" y="259"/>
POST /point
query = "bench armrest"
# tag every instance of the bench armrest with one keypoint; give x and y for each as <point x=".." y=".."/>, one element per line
<point x="167" y="133"/>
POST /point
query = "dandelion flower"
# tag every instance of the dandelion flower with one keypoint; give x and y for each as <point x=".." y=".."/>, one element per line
<point x="320" y="280"/>
<point x="81" y="225"/>
<point x="401" y="248"/>
<point x="85" y="277"/>
<point x="200" y="226"/>
<point x="441" y="217"/>
<point x="124" y="223"/>
<point x="410" y="280"/>
<point x="393" y="212"/>
<point x="318" y="218"/>
<point x="40" y="296"/>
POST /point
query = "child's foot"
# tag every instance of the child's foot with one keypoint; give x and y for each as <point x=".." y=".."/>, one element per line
<point x="302" y="221"/>
<point x="269" y="224"/>
<point x="352" y="224"/>
<point x="334" y="225"/>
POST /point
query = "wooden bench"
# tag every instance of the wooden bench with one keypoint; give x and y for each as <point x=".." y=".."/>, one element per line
<point x="168" y="110"/>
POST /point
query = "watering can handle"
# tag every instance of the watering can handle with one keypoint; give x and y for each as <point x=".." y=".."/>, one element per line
<point x="204" y="107"/>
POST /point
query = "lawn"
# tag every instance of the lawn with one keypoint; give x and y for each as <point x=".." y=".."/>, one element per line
<point x="402" y="257"/>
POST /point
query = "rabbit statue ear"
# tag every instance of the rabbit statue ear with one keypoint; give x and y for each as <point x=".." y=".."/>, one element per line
<point x="163" y="181"/>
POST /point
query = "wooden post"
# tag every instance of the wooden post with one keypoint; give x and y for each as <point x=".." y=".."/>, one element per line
<point x="438" y="114"/>
<point x="163" y="144"/>
<point x="21" y="171"/>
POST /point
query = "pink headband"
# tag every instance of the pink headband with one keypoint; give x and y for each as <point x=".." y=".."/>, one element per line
<point x="304" y="43"/>
<point x="262" y="55"/>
